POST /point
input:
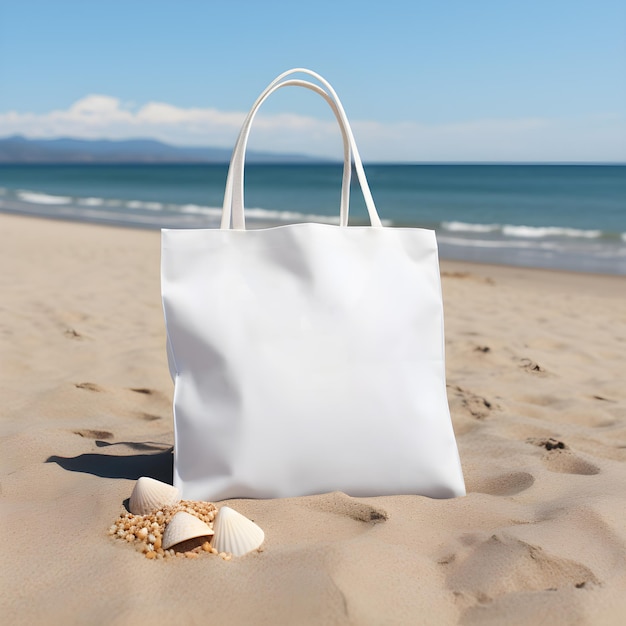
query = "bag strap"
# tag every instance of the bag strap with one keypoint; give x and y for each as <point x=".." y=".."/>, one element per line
<point x="234" y="194"/>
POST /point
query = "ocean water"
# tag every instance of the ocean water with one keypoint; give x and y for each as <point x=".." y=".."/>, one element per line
<point x="554" y="216"/>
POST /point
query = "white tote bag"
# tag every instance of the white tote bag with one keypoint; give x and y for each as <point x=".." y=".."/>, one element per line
<point x="307" y="358"/>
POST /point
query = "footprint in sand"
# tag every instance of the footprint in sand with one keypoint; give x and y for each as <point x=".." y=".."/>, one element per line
<point x="478" y="407"/>
<point x="530" y="366"/>
<point x="315" y="522"/>
<point x="88" y="386"/>
<point x="561" y="459"/>
<point x="151" y="394"/>
<point x="568" y="463"/>
<point x="341" y="504"/>
<point x="148" y="417"/>
<point x="94" y="434"/>
<point x="603" y="399"/>
<point x="508" y="484"/>
<point x="479" y="572"/>
<point x="70" y="333"/>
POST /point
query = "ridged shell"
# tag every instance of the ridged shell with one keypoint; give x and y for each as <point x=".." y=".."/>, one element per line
<point x="184" y="526"/>
<point x="235" y="533"/>
<point x="150" y="495"/>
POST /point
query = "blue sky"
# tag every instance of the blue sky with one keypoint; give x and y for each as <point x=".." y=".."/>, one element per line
<point x="420" y="81"/>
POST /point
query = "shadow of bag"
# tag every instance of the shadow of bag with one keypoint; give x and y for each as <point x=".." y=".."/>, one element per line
<point x="307" y="358"/>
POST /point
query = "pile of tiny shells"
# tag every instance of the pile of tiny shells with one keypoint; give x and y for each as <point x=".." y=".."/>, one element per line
<point x="145" y="532"/>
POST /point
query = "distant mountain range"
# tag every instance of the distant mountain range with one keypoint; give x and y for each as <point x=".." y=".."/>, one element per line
<point x="18" y="149"/>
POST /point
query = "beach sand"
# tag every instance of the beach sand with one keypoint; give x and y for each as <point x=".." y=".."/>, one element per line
<point x="535" y="359"/>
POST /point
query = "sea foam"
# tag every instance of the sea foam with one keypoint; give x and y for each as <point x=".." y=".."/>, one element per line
<point x="35" y="197"/>
<point x="91" y="201"/>
<point x="464" y="227"/>
<point x="521" y="231"/>
<point x="548" y="231"/>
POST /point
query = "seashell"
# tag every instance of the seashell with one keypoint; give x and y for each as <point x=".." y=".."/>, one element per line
<point x="149" y="495"/>
<point x="184" y="526"/>
<point x="235" y="533"/>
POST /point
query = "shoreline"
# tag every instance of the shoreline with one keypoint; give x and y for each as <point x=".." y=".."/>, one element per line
<point x="154" y="227"/>
<point x="456" y="264"/>
<point x="535" y="361"/>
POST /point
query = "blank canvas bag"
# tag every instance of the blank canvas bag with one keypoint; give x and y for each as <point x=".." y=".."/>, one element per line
<point x="307" y="358"/>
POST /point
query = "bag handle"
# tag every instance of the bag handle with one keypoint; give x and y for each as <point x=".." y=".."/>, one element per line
<point x="234" y="194"/>
<point x="236" y="169"/>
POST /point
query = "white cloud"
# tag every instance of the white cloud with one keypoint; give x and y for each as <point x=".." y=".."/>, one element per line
<point x="96" y="105"/>
<point x="101" y="116"/>
<point x="601" y="138"/>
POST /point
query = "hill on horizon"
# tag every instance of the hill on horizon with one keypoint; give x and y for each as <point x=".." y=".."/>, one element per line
<point x="17" y="149"/>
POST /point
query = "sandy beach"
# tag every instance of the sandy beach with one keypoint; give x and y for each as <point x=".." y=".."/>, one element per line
<point x="536" y="364"/>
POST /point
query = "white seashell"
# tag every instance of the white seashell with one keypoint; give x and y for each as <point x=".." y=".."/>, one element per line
<point x="149" y="495"/>
<point x="184" y="526"/>
<point x="235" y="533"/>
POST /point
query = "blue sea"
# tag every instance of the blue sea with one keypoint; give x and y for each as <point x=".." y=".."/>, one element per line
<point x="569" y="217"/>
